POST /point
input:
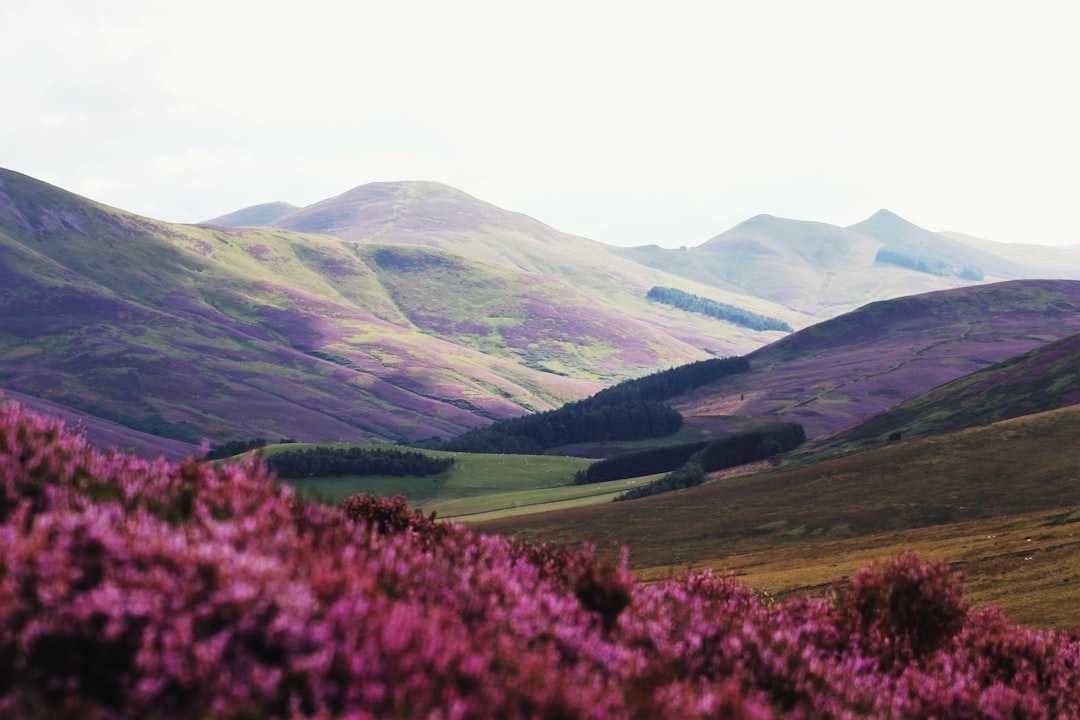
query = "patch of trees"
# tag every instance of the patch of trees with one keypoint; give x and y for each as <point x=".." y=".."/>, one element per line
<point x="925" y="265"/>
<point x="641" y="462"/>
<point x="632" y="410"/>
<point x="667" y="384"/>
<point x="721" y="311"/>
<point x="724" y="452"/>
<point x="583" y="421"/>
<point x="336" y="462"/>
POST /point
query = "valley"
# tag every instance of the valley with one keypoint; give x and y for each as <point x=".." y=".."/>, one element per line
<point x="934" y="374"/>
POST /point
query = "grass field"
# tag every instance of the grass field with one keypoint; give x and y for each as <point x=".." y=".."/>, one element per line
<point x="479" y="485"/>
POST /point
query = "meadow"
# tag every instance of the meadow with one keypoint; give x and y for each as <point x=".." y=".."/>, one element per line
<point x="479" y="486"/>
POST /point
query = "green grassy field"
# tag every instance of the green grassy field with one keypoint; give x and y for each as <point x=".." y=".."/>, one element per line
<point x="479" y="486"/>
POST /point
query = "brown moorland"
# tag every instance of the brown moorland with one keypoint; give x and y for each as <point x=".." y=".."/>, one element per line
<point x="974" y="497"/>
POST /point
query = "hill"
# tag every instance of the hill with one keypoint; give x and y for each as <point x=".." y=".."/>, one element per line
<point x="437" y="216"/>
<point x="206" y="331"/>
<point x="909" y="245"/>
<point x="1003" y="470"/>
<point x="847" y="369"/>
<point x="1042" y="379"/>
<point x="102" y="433"/>
<point x="1045" y="261"/>
<point x="254" y="215"/>
<point x="825" y="270"/>
<point x="188" y="331"/>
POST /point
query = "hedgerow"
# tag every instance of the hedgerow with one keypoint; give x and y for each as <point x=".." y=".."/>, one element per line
<point x="136" y="588"/>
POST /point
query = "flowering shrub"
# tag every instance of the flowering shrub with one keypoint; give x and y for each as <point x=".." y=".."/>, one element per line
<point x="132" y="588"/>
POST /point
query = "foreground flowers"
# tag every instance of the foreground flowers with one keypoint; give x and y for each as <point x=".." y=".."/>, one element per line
<point x="133" y="588"/>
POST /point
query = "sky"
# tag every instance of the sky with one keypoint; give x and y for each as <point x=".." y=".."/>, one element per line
<point x="626" y="122"/>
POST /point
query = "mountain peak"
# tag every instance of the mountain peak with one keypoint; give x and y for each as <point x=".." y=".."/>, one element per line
<point x="885" y="222"/>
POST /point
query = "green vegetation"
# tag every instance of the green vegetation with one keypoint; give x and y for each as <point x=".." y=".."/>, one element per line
<point x="640" y="462"/>
<point x="631" y="410"/>
<point x="721" y="311"/>
<point x="725" y="452"/>
<point x="338" y="462"/>
<point x="475" y="482"/>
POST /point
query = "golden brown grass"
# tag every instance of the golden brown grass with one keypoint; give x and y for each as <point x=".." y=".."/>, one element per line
<point x="973" y="497"/>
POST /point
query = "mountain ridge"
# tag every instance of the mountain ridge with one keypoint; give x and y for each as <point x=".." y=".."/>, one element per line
<point x="187" y="329"/>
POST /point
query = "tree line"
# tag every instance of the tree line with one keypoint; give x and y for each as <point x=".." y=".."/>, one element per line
<point x="624" y="419"/>
<point x="638" y="463"/>
<point x="721" y="311"/>
<point x="632" y="410"/>
<point x="724" y="452"/>
<point x="932" y="267"/>
<point x="336" y="462"/>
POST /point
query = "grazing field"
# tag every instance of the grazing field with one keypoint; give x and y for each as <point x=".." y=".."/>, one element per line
<point x="478" y="482"/>
<point x="805" y="526"/>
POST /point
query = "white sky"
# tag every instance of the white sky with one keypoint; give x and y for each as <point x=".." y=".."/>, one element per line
<point x="626" y="122"/>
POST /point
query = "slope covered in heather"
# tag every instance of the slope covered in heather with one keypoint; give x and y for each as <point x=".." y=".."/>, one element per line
<point x="189" y="332"/>
<point x="1042" y="379"/>
<point x="207" y="331"/>
<point x="137" y="589"/>
<point x="845" y="370"/>
<point x="434" y="215"/>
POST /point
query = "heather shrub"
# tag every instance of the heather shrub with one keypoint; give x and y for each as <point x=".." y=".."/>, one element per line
<point x="135" y="588"/>
<point x="901" y="612"/>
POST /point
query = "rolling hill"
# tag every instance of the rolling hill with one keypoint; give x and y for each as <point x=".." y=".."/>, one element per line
<point x="1043" y="379"/>
<point x="826" y="270"/>
<point x="847" y="369"/>
<point x="433" y="215"/>
<point x="189" y="331"/>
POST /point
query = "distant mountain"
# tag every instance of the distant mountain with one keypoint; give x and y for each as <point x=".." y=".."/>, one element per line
<point x="847" y="369"/>
<point x="825" y="270"/>
<point x="208" y="331"/>
<point x="932" y="252"/>
<point x="1045" y="261"/>
<point x="419" y="310"/>
<point x="437" y="216"/>
<point x="812" y="267"/>
<point x="254" y="215"/>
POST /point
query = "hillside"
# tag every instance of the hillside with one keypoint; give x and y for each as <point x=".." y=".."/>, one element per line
<point x="188" y="331"/>
<point x="437" y="216"/>
<point x="826" y="270"/>
<point x="940" y="253"/>
<point x="997" y="471"/>
<point x="254" y="215"/>
<point x="1045" y="261"/>
<point x="206" y="331"/>
<point x="847" y="369"/>
<point x="1042" y="379"/>
<point x="102" y="433"/>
